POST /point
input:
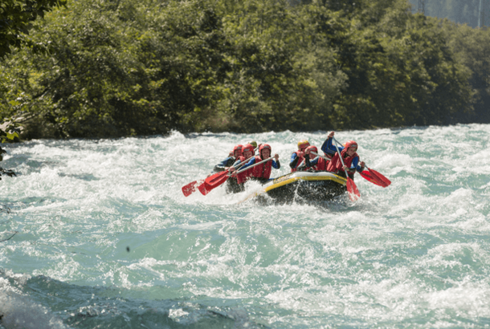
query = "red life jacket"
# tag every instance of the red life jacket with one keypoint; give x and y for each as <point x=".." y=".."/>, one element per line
<point x="300" y="161"/>
<point x="335" y="165"/>
<point x="263" y="170"/>
<point x="321" y="164"/>
<point x="244" y="176"/>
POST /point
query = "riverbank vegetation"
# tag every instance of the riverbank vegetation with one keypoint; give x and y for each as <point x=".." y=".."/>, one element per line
<point x="111" y="68"/>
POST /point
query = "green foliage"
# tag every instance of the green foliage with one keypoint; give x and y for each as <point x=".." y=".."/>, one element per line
<point x="120" y="68"/>
<point x="472" y="48"/>
<point x="10" y="136"/>
<point x="16" y="17"/>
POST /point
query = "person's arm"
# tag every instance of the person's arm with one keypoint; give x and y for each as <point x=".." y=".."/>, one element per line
<point x="223" y="165"/>
<point x="328" y="147"/>
<point x="359" y="167"/>
<point x="249" y="163"/>
<point x="275" y="162"/>
<point x="302" y="166"/>
<point x="307" y="164"/>
<point x="294" y="161"/>
<point x="307" y="161"/>
<point x="314" y="162"/>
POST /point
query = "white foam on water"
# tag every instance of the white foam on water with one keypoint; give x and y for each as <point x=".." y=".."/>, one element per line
<point x="111" y="213"/>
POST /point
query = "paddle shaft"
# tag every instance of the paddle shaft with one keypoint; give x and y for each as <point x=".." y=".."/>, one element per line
<point x="190" y="188"/>
<point x="240" y="165"/>
<point x="255" y="164"/>
<point x="321" y="156"/>
<point x="340" y="155"/>
<point x="244" y="161"/>
<point x="351" y="186"/>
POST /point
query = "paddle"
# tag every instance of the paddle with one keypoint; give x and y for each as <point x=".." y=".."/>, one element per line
<point x="216" y="180"/>
<point x="375" y="177"/>
<point x="204" y="186"/>
<point x="370" y="174"/>
<point x="351" y="187"/>
<point x="190" y="188"/>
<point x="213" y="181"/>
<point x="321" y="156"/>
<point x="369" y="177"/>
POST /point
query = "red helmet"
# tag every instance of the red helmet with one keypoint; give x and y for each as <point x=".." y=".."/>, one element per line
<point x="312" y="148"/>
<point x="239" y="149"/>
<point x="350" y="144"/>
<point x="248" y="147"/>
<point x="264" y="146"/>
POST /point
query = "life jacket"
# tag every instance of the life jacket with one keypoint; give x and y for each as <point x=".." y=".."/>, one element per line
<point x="335" y="165"/>
<point x="263" y="170"/>
<point x="321" y="164"/>
<point x="245" y="175"/>
<point x="300" y="161"/>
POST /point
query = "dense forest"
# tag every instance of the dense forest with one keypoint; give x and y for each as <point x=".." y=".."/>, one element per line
<point x="111" y="68"/>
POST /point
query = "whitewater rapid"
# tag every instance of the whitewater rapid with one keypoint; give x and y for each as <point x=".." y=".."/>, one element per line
<point x="98" y="233"/>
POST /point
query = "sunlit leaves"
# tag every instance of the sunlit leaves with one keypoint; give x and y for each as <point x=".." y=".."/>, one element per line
<point x="118" y="68"/>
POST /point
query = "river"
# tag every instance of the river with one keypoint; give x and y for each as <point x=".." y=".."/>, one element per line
<point x="97" y="233"/>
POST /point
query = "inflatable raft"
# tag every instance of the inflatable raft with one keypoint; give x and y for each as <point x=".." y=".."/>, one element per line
<point x="302" y="187"/>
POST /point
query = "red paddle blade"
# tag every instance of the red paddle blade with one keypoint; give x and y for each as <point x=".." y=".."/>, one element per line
<point x="385" y="181"/>
<point x="368" y="176"/>
<point x="352" y="190"/>
<point x="216" y="179"/>
<point x="189" y="188"/>
<point x="212" y="182"/>
<point x="204" y="189"/>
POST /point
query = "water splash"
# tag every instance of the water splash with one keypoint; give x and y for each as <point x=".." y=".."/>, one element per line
<point x="414" y="254"/>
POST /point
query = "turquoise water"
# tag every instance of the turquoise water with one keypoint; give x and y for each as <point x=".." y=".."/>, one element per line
<point x="102" y="236"/>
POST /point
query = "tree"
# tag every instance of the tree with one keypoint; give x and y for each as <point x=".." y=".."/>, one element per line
<point x="16" y="17"/>
<point x="116" y="68"/>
